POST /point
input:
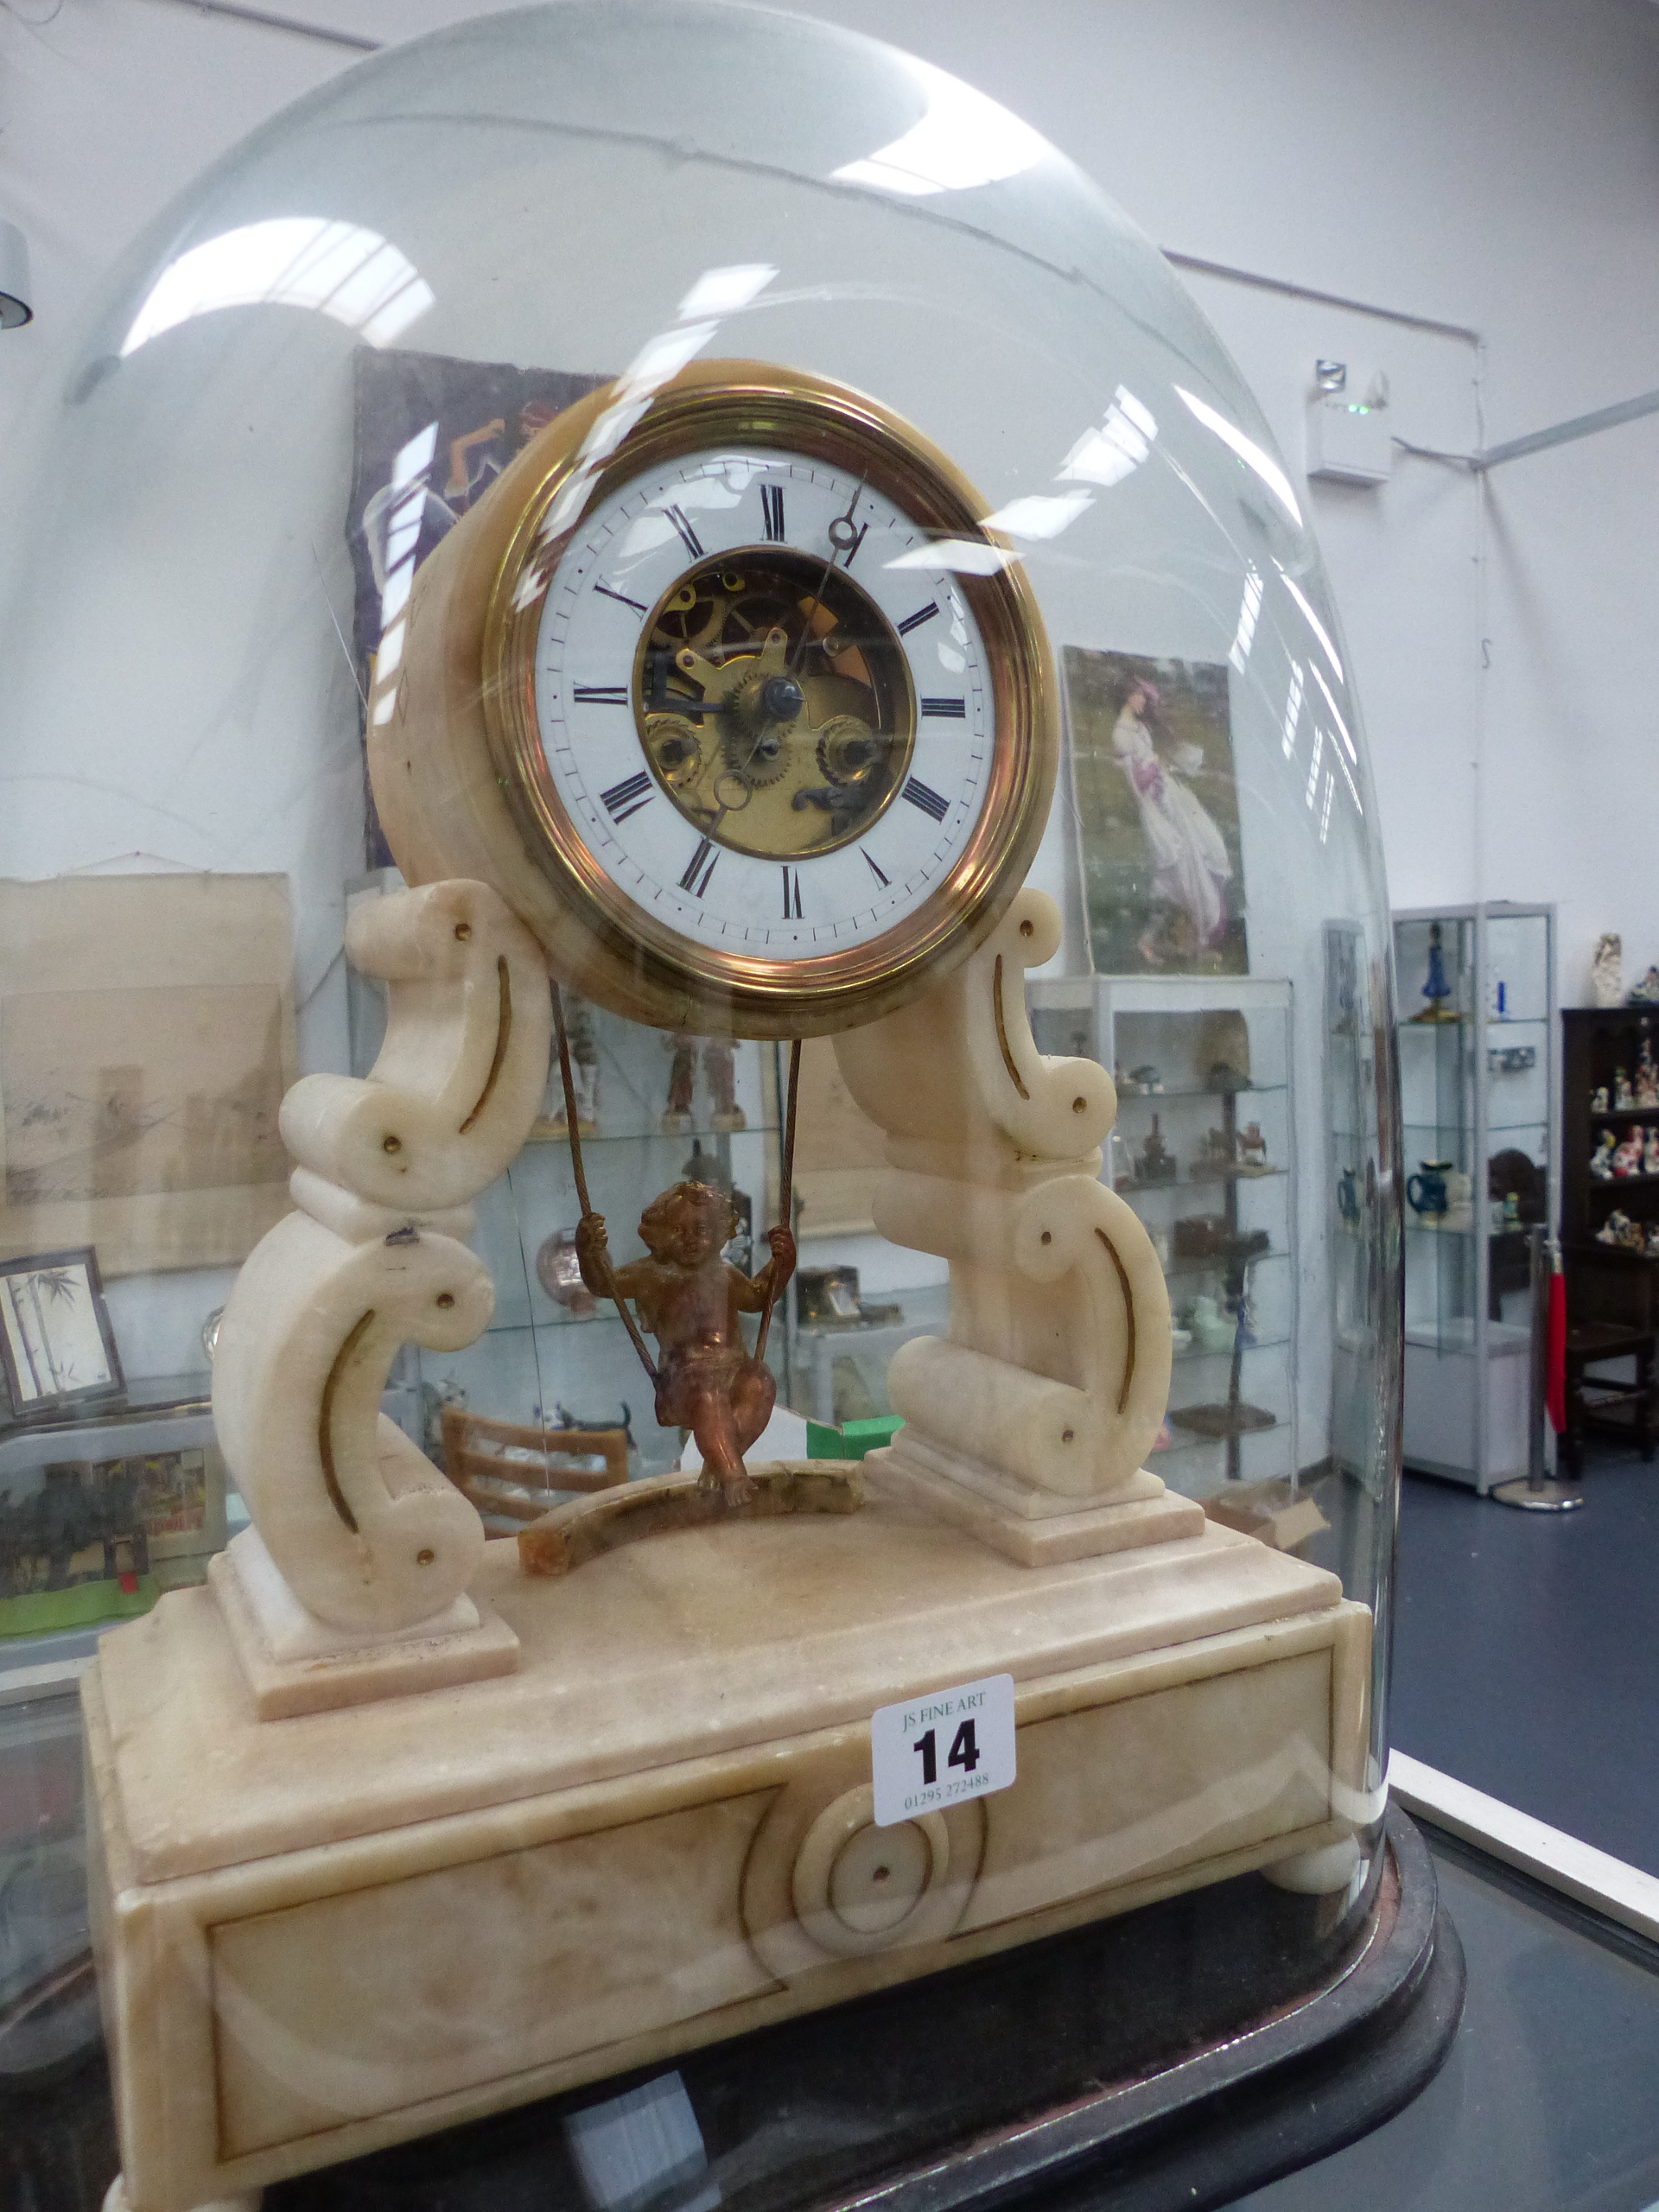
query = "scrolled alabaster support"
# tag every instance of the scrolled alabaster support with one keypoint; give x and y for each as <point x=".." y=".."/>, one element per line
<point x="1062" y="1276"/>
<point x="363" y="1534"/>
<point x="1030" y="1422"/>
<point x="958" y="1072"/>
<point x="364" y="1528"/>
<point x="449" y="1101"/>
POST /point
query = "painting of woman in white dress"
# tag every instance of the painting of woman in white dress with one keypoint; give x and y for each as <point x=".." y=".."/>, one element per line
<point x="1158" y="807"/>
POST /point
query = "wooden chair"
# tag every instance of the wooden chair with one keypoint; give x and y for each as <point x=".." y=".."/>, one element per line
<point x="506" y="1471"/>
<point x="1611" y="1316"/>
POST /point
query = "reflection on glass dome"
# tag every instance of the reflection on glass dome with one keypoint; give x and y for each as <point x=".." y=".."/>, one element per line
<point x="804" y="579"/>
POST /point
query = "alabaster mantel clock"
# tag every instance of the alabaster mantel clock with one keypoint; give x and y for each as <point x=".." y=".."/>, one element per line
<point x="724" y="708"/>
<point x="722" y="699"/>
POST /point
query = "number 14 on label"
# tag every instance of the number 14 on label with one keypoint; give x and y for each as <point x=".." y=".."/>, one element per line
<point x="939" y="1749"/>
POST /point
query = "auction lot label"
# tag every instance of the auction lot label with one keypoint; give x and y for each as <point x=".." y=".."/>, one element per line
<point x="934" y="1750"/>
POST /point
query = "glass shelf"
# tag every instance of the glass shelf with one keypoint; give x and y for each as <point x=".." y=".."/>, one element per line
<point x="648" y="1135"/>
<point x="1175" y="1268"/>
<point x="1192" y="1354"/>
<point x="1200" y="1090"/>
<point x="1130" y="1189"/>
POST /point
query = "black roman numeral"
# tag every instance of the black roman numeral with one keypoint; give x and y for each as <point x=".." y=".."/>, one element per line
<point x="693" y="543"/>
<point x="792" y="895"/>
<point x="620" y="597"/>
<point x="601" y="695"/>
<point x="922" y="614"/>
<point x="956" y="710"/>
<point x="771" y="508"/>
<point x="882" y="880"/>
<point x="695" y="879"/>
<point x="920" y="794"/>
<point x="626" y="798"/>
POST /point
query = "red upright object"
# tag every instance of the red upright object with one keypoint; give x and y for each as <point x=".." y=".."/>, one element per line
<point x="1555" y="1372"/>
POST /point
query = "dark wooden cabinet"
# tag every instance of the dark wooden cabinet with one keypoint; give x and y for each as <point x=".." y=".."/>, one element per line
<point x="1596" y="1043"/>
<point x="1612" y="1293"/>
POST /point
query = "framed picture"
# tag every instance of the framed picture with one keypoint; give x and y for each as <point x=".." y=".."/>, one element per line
<point x="146" y="1039"/>
<point x="1157" y="809"/>
<point x="432" y="434"/>
<point x="55" y="1339"/>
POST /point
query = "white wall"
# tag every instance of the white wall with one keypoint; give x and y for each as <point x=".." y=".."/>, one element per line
<point x="1494" y="164"/>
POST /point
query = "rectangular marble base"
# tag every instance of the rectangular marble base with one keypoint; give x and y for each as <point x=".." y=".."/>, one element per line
<point x="327" y="1934"/>
<point x="1042" y="1532"/>
<point x="292" y="1664"/>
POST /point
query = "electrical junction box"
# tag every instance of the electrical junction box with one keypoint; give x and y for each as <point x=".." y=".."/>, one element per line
<point x="1348" y="441"/>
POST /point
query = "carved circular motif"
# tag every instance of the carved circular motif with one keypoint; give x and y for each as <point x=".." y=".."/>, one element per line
<point x="823" y="1882"/>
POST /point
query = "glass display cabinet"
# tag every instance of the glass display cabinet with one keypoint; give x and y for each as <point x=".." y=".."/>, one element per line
<point x="557" y="740"/>
<point x="1204" y="1151"/>
<point x="1477" y="1092"/>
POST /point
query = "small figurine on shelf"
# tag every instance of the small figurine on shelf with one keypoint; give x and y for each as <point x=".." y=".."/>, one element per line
<point x="1253" y="1150"/>
<point x="1599" y="1100"/>
<point x="1214" y="1330"/>
<point x="1436" y="989"/>
<point x="1623" y="1095"/>
<point x="1425" y="1193"/>
<point x="1634" y="1238"/>
<point x="1646" y="992"/>
<point x="552" y="1121"/>
<point x="1156" y="1162"/>
<point x="1607" y="969"/>
<point x="1627" y="1159"/>
<point x="1147" y="1080"/>
<point x="1613" y="1228"/>
<point x="1650" y="1153"/>
<point x="720" y="1072"/>
<point x="1216" y="1153"/>
<point x="1647" y="1075"/>
<point x="1653" y="1240"/>
<point x="1601" y="1159"/>
<point x="704" y="1167"/>
<point x="682" y="1080"/>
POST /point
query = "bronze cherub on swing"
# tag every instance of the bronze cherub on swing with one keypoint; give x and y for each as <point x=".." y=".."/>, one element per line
<point x="690" y="1297"/>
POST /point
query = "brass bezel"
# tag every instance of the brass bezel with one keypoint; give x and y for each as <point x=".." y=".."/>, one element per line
<point x="709" y="404"/>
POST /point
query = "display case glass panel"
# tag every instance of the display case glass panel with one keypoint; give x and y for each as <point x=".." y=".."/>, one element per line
<point x="1477" y="1087"/>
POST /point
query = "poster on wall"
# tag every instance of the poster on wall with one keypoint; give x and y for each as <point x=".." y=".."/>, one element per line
<point x="146" y="1040"/>
<point x="1157" y="809"/>
<point x="433" y="432"/>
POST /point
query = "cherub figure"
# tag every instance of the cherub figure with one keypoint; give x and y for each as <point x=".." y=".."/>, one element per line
<point x="688" y="1298"/>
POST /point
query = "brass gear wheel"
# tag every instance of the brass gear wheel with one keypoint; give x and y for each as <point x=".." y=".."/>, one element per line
<point x="848" y="749"/>
<point x="676" y="744"/>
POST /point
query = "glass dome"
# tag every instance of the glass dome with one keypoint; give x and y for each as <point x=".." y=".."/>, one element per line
<point x="883" y="308"/>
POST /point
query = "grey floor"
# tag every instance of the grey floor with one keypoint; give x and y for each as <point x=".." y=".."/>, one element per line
<point x="1527" y="1663"/>
<point x="1526" y="1653"/>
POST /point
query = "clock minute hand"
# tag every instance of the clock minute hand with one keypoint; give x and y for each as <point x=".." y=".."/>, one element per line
<point x="844" y="538"/>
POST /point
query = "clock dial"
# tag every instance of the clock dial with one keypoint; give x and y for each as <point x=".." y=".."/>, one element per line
<point x="783" y="743"/>
<point x="733" y="698"/>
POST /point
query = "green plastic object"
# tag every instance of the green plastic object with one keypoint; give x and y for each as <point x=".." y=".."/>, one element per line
<point x="82" y="1605"/>
<point x="853" y="1440"/>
